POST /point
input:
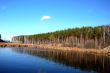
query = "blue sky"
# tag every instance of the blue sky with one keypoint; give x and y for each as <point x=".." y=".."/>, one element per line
<point x="25" y="17"/>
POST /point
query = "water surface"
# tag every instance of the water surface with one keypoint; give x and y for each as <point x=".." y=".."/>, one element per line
<point x="30" y="60"/>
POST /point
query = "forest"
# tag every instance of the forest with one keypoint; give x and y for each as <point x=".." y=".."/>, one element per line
<point x="83" y="37"/>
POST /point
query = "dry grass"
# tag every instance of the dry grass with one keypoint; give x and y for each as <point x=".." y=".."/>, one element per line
<point x="57" y="47"/>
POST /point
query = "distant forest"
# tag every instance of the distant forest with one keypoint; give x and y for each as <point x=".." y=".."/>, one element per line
<point x="84" y="37"/>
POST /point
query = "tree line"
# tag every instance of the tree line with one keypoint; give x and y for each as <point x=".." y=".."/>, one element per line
<point x="84" y="37"/>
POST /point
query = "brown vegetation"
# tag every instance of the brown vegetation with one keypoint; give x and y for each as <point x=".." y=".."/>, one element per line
<point x="58" y="47"/>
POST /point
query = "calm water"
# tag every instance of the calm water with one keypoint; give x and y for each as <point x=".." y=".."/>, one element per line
<point x="28" y="60"/>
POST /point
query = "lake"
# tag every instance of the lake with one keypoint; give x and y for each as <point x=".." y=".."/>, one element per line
<point x="31" y="60"/>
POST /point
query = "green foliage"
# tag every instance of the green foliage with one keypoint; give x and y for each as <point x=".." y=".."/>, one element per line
<point x="82" y="34"/>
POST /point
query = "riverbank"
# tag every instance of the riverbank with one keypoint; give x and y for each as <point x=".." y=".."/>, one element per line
<point x="59" y="47"/>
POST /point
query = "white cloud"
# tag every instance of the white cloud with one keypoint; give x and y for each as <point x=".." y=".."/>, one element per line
<point x="45" y="18"/>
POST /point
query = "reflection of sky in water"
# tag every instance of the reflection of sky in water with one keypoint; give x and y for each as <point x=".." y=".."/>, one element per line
<point x="33" y="61"/>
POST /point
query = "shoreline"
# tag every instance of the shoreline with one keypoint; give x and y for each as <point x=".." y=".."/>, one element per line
<point x="58" y="47"/>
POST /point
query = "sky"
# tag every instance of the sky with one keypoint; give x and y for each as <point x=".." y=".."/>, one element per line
<point x="26" y="17"/>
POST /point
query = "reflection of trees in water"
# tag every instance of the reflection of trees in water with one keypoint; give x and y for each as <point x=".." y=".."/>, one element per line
<point x="83" y="61"/>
